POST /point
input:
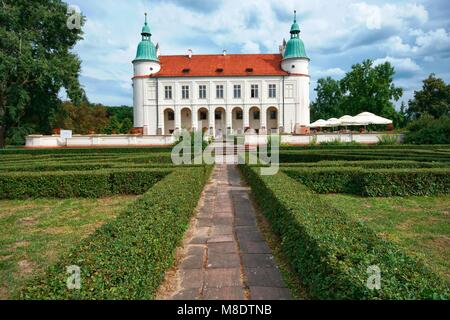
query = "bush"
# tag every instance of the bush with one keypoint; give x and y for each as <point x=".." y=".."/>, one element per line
<point x="71" y="184"/>
<point x="369" y="164"/>
<point x="427" y="130"/>
<point x="127" y="258"/>
<point x="374" y="183"/>
<point x="330" y="252"/>
<point x="387" y="140"/>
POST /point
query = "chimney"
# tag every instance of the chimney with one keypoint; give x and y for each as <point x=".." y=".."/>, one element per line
<point x="225" y="52"/>
<point x="190" y="53"/>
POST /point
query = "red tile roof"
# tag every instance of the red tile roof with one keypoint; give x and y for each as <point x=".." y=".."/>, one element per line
<point x="210" y="65"/>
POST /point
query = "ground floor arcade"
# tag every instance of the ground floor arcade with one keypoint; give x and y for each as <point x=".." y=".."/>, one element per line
<point x="219" y="120"/>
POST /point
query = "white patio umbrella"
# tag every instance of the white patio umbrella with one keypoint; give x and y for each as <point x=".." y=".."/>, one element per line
<point x="318" y="124"/>
<point x="347" y="121"/>
<point x="333" y="122"/>
<point x="370" y="118"/>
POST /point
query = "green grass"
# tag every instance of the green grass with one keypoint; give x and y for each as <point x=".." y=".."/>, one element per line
<point x="420" y="225"/>
<point x="35" y="232"/>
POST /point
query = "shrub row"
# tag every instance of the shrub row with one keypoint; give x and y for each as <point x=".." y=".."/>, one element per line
<point x="370" y="164"/>
<point x="297" y="156"/>
<point x="91" y="184"/>
<point x="330" y="252"/>
<point x="127" y="258"/>
<point x="374" y="183"/>
<point x="366" y="146"/>
<point x="84" y="151"/>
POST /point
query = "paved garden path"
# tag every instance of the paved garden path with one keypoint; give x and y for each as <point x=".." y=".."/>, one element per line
<point x="225" y="256"/>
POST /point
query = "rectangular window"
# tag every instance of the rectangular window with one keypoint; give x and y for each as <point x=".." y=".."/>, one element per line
<point x="272" y="90"/>
<point x="273" y="115"/>
<point x="185" y="92"/>
<point x="202" y="92"/>
<point x="203" y="115"/>
<point x="254" y="93"/>
<point x="168" y="92"/>
<point x="218" y="115"/>
<point x="239" y="115"/>
<point x="219" y="91"/>
<point x="237" y="91"/>
<point x="256" y="115"/>
<point x="289" y="91"/>
<point x="171" y="116"/>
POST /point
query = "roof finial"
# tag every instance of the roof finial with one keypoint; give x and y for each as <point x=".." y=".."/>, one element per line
<point x="295" y="15"/>
<point x="145" y="17"/>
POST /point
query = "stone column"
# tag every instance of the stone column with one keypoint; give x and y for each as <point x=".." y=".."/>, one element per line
<point x="212" y="121"/>
<point x="246" y="111"/>
<point x="229" y="119"/>
<point x="194" y="113"/>
<point x="177" y="118"/>
<point x="263" y="113"/>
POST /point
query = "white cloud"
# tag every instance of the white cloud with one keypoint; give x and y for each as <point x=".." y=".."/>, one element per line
<point x="250" y="47"/>
<point x="389" y="15"/>
<point x="401" y="65"/>
<point x="333" y="72"/>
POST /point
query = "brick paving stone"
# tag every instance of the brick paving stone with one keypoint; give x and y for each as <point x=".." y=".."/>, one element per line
<point x="269" y="293"/>
<point x="227" y="248"/>
<point x="187" y="294"/>
<point x="258" y="260"/>
<point x="192" y="278"/>
<point x="226" y="277"/>
<point x="254" y="247"/>
<point x="225" y="238"/>
<point x="224" y="293"/>
<point x="223" y="247"/>
<point x="223" y="260"/>
<point x="264" y="277"/>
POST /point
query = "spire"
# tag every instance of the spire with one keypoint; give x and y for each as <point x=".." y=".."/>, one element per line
<point x="146" y="49"/>
<point x="295" y="29"/>
<point x="295" y="47"/>
<point x="146" y="32"/>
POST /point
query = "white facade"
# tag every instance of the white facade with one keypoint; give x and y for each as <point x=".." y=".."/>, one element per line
<point x="288" y="107"/>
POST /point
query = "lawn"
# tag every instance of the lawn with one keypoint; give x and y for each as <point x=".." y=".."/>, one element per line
<point x="420" y="225"/>
<point x="36" y="231"/>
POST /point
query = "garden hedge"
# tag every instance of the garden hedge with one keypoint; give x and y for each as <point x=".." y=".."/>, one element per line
<point x="127" y="258"/>
<point x="369" y="164"/>
<point x="316" y="155"/>
<point x="330" y="252"/>
<point x="84" y="151"/>
<point x="69" y="184"/>
<point x="374" y="183"/>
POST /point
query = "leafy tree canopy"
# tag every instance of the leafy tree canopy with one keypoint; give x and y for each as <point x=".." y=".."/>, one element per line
<point x="36" y="62"/>
<point x="365" y="88"/>
<point x="433" y="99"/>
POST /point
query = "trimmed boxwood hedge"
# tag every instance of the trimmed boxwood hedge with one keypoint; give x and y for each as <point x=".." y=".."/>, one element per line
<point x="70" y="184"/>
<point x="330" y="252"/>
<point x="84" y="151"/>
<point x="370" y="164"/>
<point x="374" y="183"/>
<point x="317" y="155"/>
<point x="127" y="258"/>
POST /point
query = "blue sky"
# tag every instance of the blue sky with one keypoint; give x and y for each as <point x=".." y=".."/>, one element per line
<point x="413" y="36"/>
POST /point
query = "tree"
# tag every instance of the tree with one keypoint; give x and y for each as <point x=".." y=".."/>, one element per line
<point x="127" y="125"/>
<point x="35" y="64"/>
<point x="433" y="99"/>
<point x="370" y="88"/>
<point x="329" y="99"/>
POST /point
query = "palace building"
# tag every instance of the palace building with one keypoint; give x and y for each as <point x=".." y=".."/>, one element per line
<point x="222" y="93"/>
